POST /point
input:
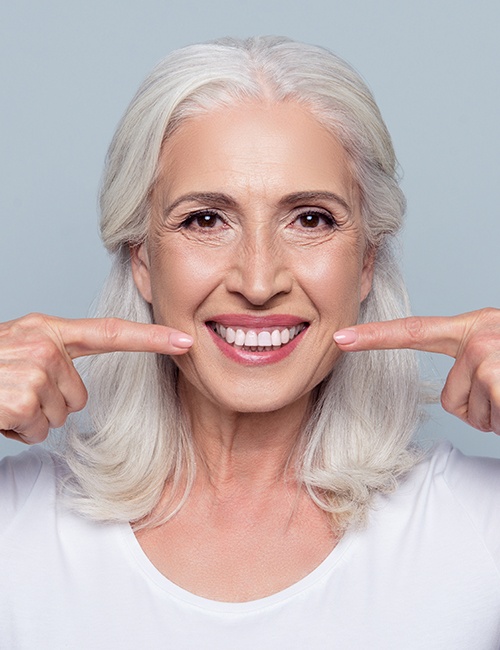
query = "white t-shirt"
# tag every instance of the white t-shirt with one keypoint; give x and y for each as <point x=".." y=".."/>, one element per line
<point x="423" y="575"/>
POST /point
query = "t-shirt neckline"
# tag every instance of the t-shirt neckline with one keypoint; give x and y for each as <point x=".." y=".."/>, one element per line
<point x="179" y="593"/>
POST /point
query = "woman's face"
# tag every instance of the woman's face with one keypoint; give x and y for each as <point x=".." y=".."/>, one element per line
<point x="255" y="249"/>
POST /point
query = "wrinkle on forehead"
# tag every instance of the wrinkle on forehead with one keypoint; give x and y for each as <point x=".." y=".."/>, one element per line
<point x="256" y="154"/>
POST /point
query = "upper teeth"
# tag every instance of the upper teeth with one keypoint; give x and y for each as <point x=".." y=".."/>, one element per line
<point x="268" y="338"/>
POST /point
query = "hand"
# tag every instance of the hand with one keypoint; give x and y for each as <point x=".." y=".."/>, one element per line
<point x="39" y="385"/>
<point x="472" y="389"/>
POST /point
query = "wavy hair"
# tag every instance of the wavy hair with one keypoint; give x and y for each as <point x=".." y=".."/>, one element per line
<point x="359" y="438"/>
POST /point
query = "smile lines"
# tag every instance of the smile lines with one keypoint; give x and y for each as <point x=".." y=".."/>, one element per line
<point x="257" y="341"/>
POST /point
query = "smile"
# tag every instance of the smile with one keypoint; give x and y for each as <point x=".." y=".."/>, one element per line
<point x="262" y="339"/>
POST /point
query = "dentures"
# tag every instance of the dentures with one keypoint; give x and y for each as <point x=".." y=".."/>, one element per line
<point x="257" y="339"/>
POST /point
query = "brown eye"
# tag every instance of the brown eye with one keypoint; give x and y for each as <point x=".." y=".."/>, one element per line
<point x="310" y="220"/>
<point x="206" y="220"/>
<point x="315" y="220"/>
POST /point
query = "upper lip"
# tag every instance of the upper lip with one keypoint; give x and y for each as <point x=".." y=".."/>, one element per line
<point x="258" y="322"/>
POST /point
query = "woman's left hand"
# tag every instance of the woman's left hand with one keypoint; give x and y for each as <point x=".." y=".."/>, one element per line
<point x="472" y="389"/>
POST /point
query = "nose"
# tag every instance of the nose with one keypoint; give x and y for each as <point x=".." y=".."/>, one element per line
<point x="259" y="271"/>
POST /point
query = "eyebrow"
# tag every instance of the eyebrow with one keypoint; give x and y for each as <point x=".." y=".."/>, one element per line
<point x="299" y="197"/>
<point x="226" y="201"/>
<point x="214" y="198"/>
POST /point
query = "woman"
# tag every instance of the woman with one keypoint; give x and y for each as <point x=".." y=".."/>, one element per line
<point x="276" y="497"/>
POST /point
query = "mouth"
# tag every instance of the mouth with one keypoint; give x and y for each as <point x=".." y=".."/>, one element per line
<point x="257" y="339"/>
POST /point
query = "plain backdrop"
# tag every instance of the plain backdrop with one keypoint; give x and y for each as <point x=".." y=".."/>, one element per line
<point x="69" y="67"/>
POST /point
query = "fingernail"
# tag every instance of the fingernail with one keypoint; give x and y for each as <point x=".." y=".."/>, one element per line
<point x="345" y="337"/>
<point x="181" y="340"/>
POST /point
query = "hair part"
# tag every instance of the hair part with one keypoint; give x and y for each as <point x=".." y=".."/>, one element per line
<point x="359" y="438"/>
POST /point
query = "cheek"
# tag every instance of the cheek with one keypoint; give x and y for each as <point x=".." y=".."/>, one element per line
<point x="181" y="279"/>
<point x="333" y="282"/>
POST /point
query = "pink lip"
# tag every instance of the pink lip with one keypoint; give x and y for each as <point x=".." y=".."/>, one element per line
<point x="243" y="320"/>
<point x="249" y="358"/>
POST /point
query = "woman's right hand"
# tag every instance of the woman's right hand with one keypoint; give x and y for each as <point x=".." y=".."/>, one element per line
<point x="39" y="385"/>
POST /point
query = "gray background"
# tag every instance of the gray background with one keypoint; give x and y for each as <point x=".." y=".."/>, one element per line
<point x="68" y="69"/>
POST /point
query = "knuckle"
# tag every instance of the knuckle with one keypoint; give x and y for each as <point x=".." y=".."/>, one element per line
<point x="34" y="438"/>
<point x="111" y="329"/>
<point x="45" y="351"/>
<point x="490" y="314"/>
<point x="34" y="319"/>
<point x="79" y="401"/>
<point x="23" y="407"/>
<point x="31" y="338"/>
<point x="415" y="328"/>
<point x="58" y="419"/>
<point x="487" y="376"/>
<point x="446" y="402"/>
<point x="485" y="328"/>
<point x="155" y="337"/>
<point x="36" y="379"/>
<point x="27" y="406"/>
<point x="479" y="423"/>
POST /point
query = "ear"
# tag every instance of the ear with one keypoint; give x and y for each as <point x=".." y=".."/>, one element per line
<point x="367" y="271"/>
<point x="139" y="259"/>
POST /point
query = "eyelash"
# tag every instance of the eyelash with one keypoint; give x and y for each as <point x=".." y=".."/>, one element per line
<point x="199" y="214"/>
<point x="326" y="217"/>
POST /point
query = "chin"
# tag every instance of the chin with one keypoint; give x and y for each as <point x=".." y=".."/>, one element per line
<point x="262" y="400"/>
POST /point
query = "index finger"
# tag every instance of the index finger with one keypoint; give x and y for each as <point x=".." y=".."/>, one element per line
<point x="86" y="336"/>
<point x="429" y="333"/>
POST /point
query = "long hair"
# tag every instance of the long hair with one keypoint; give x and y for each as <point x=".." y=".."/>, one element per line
<point x="359" y="437"/>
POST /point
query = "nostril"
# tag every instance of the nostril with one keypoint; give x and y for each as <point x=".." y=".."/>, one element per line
<point x="259" y="286"/>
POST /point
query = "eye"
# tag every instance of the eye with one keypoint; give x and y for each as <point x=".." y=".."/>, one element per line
<point x="312" y="219"/>
<point x="205" y="219"/>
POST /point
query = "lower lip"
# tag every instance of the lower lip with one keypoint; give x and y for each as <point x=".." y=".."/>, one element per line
<point x="250" y="358"/>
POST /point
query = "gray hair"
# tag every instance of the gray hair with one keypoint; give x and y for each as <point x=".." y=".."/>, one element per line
<point x="359" y="437"/>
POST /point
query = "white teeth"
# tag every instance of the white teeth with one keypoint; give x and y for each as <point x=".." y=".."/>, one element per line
<point x="261" y="341"/>
<point x="264" y="339"/>
<point x="251" y="339"/>
<point x="276" y="338"/>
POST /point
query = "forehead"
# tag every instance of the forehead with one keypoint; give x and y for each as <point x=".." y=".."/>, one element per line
<point x="260" y="149"/>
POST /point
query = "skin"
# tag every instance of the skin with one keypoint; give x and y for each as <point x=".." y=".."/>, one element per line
<point x="258" y="255"/>
<point x="261" y="255"/>
<point x="255" y="258"/>
<point x="39" y="386"/>
<point x="472" y="389"/>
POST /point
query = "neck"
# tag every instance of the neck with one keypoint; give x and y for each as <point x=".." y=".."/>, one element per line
<point x="251" y="450"/>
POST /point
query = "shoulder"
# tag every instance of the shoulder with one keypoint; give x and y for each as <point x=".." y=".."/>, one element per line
<point x="33" y="471"/>
<point x="468" y="478"/>
<point x="475" y="484"/>
<point x="453" y="490"/>
<point x="464" y="475"/>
